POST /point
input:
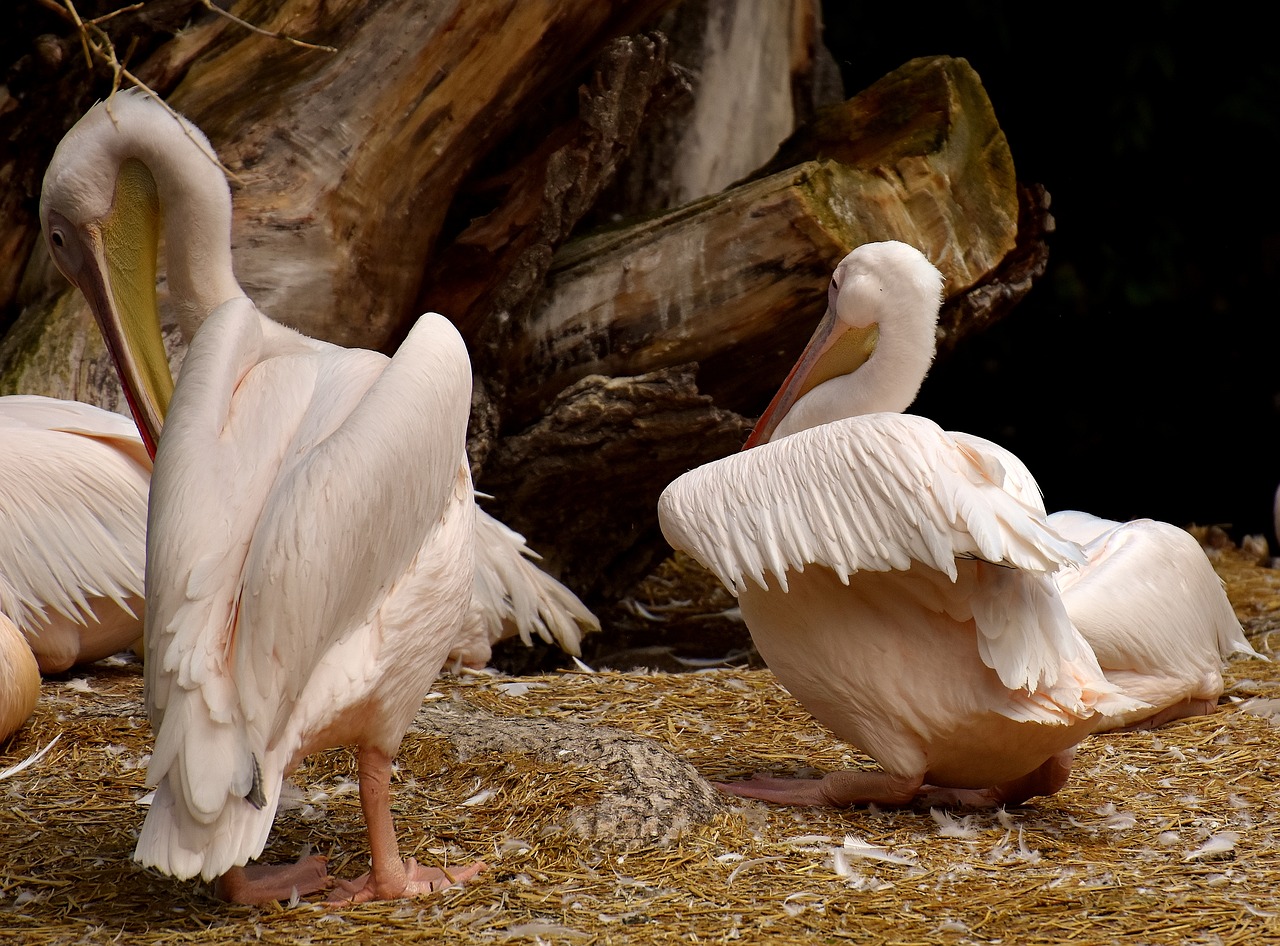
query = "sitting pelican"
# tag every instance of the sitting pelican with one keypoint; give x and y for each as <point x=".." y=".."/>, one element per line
<point x="19" y="677"/>
<point x="899" y="579"/>
<point x="73" y="514"/>
<point x="312" y="528"/>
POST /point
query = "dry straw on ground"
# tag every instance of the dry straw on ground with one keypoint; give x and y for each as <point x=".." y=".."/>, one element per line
<point x="1161" y="837"/>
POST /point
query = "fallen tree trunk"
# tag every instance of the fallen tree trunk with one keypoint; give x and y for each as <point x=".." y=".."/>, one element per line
<point x="736" y="281"/>
<point x="444" y="153"/>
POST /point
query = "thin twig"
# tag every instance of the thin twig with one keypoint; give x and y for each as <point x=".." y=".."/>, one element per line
<point x="211" y="7"/>
<point x="100" y="44"/>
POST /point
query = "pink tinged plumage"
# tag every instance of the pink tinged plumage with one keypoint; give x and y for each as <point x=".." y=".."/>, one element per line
<point x="312" y="523"/>
<point x="73" y="505"/>
<point x="903" y="581"/>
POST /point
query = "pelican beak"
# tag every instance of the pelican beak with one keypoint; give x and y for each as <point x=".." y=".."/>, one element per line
<point x="116" y="271"/>
<point x="835" y="349"/>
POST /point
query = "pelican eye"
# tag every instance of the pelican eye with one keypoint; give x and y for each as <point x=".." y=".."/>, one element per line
<point x="57" y="239"/>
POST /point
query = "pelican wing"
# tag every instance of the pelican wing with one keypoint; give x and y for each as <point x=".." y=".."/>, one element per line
<point x="347" y="519"/>
<point x="875" y="492"/>
<point x="73" y="496"/>
<point x="1148" y="600"/>
<point x="294" y="483"/>
<point x="513" y="595"/>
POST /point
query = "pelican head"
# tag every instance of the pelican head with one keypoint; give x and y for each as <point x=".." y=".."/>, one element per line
<point x="101" y="212"/>
<point x="883" y="301"/>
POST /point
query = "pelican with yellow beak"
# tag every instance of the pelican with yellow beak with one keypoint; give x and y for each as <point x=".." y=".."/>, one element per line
<point x="312" y="529"/>
<point x="904" y="583"/>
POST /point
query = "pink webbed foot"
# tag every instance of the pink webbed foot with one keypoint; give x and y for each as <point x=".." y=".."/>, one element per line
<point x="413" y="880"/>
<point x="263" y="883"/>
<point x="835" y="789"/>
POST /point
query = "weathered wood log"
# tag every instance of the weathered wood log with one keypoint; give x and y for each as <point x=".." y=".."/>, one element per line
<point x="349" y="164"/>
<point x="487" y="277"/>
<point x="736" y="281"/>
<point x="585" y="478"/>
<point x="756" y="71"/>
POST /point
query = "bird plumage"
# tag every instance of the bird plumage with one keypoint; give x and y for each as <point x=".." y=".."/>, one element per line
<point x="73" y="504"/>
<point x="902" y="581"/>
<point x="312" y="528"/>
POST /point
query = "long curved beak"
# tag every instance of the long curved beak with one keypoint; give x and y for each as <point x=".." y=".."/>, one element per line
<point x="118" y="280"/>
<point x="834" y="349"/>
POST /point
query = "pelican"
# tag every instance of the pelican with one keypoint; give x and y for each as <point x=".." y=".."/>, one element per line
<point x="900" y="580"/>
<point x="312" y="526"/>
<point x="19" y="677"/>
<point x="73" y="505"/>
<point x="1155" y="613"/>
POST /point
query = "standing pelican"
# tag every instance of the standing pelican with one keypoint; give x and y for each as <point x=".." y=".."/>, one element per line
<point x="73" y="513"/>
<point x="312" y="522"/>
<point x="899" y="579"/>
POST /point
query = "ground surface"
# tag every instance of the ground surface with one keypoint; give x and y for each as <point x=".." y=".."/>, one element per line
<point x="1164" y="837"/>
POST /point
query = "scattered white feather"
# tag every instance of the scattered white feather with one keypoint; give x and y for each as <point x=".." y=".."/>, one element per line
<point x="1219" y="843"/>
<point x="581" y="666"/>
<point x="1267" y="708"/>
<point x="512" y="846"/>
<point x="950" y="826"/>
<point x="855" y="847"/>
<point x="79" y="684"/>
<point x="517" y="687"/>
<point x="749" y="863"/>
<point x="537" y="929"/>
<point x="29" y="760"/>
<point x="858" y="881"/>
<point x="1117" y="820"/>
<point x="479" y="798"/>
<point x="1005" y="851"/>
<point x="1168" y="838"/>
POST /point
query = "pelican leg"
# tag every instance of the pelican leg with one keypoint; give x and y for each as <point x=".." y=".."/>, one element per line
<point x="835" y="789"/>
<point x="390" y="878"/>
<point x="263" y="883"/>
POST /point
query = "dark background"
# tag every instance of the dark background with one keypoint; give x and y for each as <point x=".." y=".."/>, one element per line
<point x="1141" y="376"/>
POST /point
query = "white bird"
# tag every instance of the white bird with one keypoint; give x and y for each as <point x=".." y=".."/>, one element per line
<point x="1155" y="613"/>
<point x="19" y="678"/>
<point x="898" y="579"/>
<point x="73" y="515"/>
<point x="312" y="528"/>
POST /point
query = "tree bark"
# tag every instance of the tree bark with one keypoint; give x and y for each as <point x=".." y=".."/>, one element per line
<point x="442" y="156"/>
<point x="737" y="280"/>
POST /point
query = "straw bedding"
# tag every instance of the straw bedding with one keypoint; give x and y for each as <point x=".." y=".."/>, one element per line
<point x="584" y="793"/>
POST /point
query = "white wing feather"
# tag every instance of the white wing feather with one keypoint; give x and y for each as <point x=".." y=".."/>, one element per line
<point x="880" y="492"/>
<point x="1152" y="608"/>
<point x="874" y="492"/>
<point x="73" y="499"/>
<point x="298" y="535"/>
<point x="514" y="596"/>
